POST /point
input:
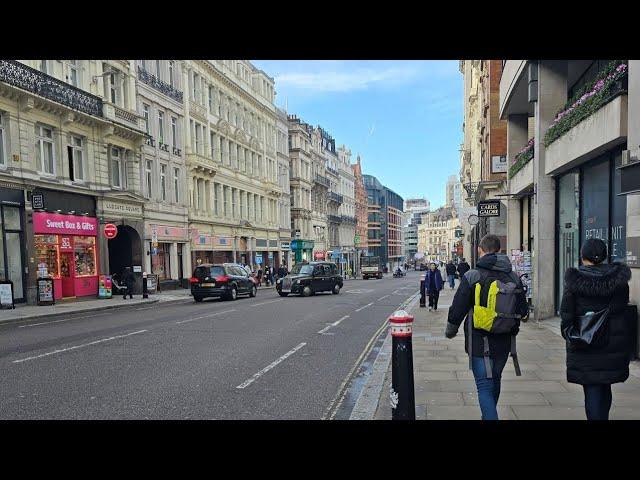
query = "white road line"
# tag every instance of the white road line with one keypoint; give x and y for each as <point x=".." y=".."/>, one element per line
<point x="265" y="303"/>
<point x="382" y="298"/>
<point x="205" y="316"/>
<point x="362" y="308"/>
<point x="63" y="320"/>
<point x="270" y="366"/>
<point x="332" y="324"/>
<point x="78" y="346"/>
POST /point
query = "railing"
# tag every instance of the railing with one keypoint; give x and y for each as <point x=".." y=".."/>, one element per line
<point x="334" y="197"/>
<point x="162" y="87"/>
<point x="331" y="170"/>
<point x="125" y="115"/>
<point x="29" y="79"/>
<point x="348" y="219"/>
<point x="322" y="180"/>
<point x="150" y="141"/>
<point x="177" y="151"/>
<point x="334" y="218"/>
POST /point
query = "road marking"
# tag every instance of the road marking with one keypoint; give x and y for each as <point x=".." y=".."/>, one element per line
<point x="78" y="346"/>
<point x="63" y="320"/>
<point x="321" y="332"/>
<point x="382" y="298"/>
<point x="362" y="308"/>
<point x="270" y="366"/>
<point x="265" y="303"/>
<point x="145" y="308"/>
<point x="205" y="316"/>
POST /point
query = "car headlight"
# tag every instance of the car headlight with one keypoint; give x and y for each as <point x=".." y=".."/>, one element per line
<point x="279" y="280"/>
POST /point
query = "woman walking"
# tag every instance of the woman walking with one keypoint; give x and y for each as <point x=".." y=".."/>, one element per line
<point x="597" y="290"/>
<point x="433" y="284"/>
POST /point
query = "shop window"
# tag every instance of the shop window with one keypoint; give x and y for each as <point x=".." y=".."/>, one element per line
<point x="160" y="263"/>
<point x="618" y="237"/>
<point x="595" y="201"/>
<point x="48" y="255"/>
<point x="85" y="256"/>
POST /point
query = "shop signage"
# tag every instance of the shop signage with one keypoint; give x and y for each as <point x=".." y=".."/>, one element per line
<point x="285" y="245"/>
<point x="65" y="244"/>
<point x="6" y="294"/>
<point x="45" y="291"/>
<point x="64" y="224"/>
<point x="37" y="201"/>
<point x="137" y="269"/>
<point x="259" y="258"/>
<point x="152" y="283"/>
<point x="110" y="231"/>
<point x="489" y="208"/>
<point x="117" y="208"/>
<point x="498" y="164"/>
<point x="319" y="254"/>
<point x="633" y="252"/>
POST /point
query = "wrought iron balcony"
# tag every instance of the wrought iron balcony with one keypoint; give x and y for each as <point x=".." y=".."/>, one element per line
<point x="334" y="218"/>
<point x="335" y="197"/>
<point x="321" y="180"/>
<point x="150" y="141"/>
<point x="29" y="79"/>
<point x="348" y="219"/>
<point x="164" y="146"/>
<point x="177" y="151"/>
<point x="333" y="171"/>
<point x="162" y="87"/>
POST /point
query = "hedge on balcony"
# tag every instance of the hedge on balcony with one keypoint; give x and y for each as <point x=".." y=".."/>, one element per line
<point x="523" y="157"/>
<point x="586" y="101"/>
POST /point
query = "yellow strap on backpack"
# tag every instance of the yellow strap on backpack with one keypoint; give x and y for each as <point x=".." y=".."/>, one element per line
<point x="483" y="316"/>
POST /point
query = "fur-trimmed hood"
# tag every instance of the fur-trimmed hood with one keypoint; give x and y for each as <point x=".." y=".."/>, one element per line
<point x="597" y="280"/>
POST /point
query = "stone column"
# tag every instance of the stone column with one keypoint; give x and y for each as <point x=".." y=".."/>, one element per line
<point x="186" y="260"/>
<point x="633" y="140"/>
<point x="552" y="95"/>
<point x="173" y="261"/>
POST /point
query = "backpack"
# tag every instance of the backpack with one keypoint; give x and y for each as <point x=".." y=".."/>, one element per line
<point x="498" y="316"/>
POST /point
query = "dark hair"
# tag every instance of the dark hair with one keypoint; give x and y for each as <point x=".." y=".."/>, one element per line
<point x="490" y="244"/>
<point x="594" y="250"/>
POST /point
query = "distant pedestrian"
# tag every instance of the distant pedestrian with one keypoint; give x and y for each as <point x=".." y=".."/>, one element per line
<point x="259" y="276"/>
<point x="433" y="283"/>
<point x="463" y="267"/>
<point x="492" y="299"/>
<point x="599" y="291"/>
<point x="451" y="274"/>
<point x="128" y="279"/>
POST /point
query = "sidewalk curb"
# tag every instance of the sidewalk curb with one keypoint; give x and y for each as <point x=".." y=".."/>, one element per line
<point x="367" y="403"/>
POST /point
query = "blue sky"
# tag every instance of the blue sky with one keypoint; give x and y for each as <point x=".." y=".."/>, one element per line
<point x="404" y="118"/>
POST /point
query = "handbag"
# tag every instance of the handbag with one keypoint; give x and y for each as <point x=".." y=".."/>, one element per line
<point x="589" y="329"/>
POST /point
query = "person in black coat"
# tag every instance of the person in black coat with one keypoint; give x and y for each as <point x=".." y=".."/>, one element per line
<point x="593" y="287"/>
<point x="128" y="280"/>
<point x="451" y="274"/>
<point x="463" y="267"/>
<point x="433" y="284"/>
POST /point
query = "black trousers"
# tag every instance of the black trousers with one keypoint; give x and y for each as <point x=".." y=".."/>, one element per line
<point x="597" y="401"/>
<point x="433" y="299"/>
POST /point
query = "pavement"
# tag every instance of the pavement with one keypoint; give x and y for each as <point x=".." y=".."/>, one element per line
<point x="445" y="389"/>
<point x="266" y="357"/>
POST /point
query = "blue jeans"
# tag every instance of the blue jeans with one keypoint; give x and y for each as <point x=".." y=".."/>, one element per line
<point x="452" y="280"/>
<point x="597" y="401"/>
<point x="488" y="388"/>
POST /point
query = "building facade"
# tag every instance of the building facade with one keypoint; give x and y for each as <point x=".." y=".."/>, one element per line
<point x="573" y="165"/>
<point x="284" y="201"/>
<point x="361" y="213"/>
<point x="437" y="238"/>
<point x="346" y="211"/>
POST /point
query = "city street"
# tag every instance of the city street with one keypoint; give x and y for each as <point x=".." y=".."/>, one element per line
<point x="256" y="358"/>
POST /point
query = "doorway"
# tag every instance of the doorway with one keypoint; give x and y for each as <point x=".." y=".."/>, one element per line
<point x="12" y="249"/>
<point x="66" y="268"/>
<point x="124" y="250"/>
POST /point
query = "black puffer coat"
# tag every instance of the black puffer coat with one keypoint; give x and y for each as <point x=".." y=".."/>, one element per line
<point x="593" y="288"/>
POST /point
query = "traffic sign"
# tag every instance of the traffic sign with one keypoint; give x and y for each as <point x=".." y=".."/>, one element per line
<point x="110" y="231"/>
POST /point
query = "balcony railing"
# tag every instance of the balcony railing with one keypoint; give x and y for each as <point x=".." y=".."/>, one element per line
<point x="334" y="197"/>
<point x="29" y="79"/>
<point x="348" y="219"/>
<point x="334" y="218"/>
<point x="331" y="170"/>
<point x="162" y="87"/>
<point x="322" y="180"/>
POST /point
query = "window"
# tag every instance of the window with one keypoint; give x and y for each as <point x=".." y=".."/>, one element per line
<point x="195" y="86"/>
<point x="234" y="206"/>
<point x="113" y="88"/>
<point x="73" y="77"/>
<point x="3" y="159"/>
<point x="176" y="184"/>
<point x="198" y="141"/>
<point x="145" y="114"/>
<point x="45" y="150"/>
<point x="148" y="169"/>
<point x="44" y="66"/>
<point x="171" y="69"/>
<point x="76" y="159"/>
<point x="161" y="127"/>
<point x="163" y="182"/>
<point x="117" y="168"/>
<point x="174" y="132"/>
<point x="225" y="197"/>
<point x="158" y="69"/>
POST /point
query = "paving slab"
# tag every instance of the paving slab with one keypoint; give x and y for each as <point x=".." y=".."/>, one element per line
<point x="464" y="413"/>
<point x="440" y="398"/>
<point x="568" y="399"/>
<point x="548" y="413"/>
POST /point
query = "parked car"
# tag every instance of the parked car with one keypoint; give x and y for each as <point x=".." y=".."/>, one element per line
<point x="227" y="280"/>
<point x="309" y="278"/>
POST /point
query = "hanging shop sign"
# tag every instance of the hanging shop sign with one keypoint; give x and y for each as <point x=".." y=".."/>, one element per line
<point x="489" y="208"/>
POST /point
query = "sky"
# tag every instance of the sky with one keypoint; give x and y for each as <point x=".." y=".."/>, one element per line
<point x="404" y="118"/>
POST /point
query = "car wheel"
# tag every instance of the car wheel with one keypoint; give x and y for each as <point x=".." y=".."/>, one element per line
<point x="306" y="291"/>
<point x="336" y="289"/>
<point x="282" y="294"/>
<point x="253" y="291"/>
<point x="197" y="299"/>
<point x="233" y="293"/>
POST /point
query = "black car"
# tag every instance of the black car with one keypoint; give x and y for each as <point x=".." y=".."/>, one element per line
<point x="227" y="281"/>
<point x="309" y="278"/>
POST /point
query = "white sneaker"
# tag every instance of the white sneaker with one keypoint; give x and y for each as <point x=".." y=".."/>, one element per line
<point x="430" y="308"/>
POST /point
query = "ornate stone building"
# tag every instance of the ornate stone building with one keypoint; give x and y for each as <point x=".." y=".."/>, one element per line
<point x="360" y="205"/>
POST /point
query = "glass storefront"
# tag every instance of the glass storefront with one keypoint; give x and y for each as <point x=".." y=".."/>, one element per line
<point x="568" y="226"/>
<point x="160" y="262"/>
<point x="11" y="248"/>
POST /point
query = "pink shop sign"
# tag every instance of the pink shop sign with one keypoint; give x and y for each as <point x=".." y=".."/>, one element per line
<point x="64" y="224"/>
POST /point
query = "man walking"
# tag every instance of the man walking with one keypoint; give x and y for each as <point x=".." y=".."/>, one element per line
<point x="463" y="267"/>
<point x="492" y="299"/>
<point x="451" y="274"/>
<point x="128" y="279"/>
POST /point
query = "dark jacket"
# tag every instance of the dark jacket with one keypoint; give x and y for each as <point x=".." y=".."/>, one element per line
<point x="495" y="267"/>
<point x="128" y="279"/>
<point x="463" y="267"/>
<point x="451" y="269"/>
<point x="593" y="288"/>
<point x="438" y="281"/>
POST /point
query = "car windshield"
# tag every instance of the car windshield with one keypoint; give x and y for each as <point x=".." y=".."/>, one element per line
<point x="302" y="270"/>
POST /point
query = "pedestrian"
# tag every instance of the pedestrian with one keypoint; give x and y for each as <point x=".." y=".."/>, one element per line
<point x="602" y="290"/>
<point x="489" y="335"/>
<point x="128" y="279"/>
<point x="451" y="274"/>
<point x="463" y="267"/>
<point x="271" y="274"/>
<point x="433" y="283"/>
<point x="259" y="276"/>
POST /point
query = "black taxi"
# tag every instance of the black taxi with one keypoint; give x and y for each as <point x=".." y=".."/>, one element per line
<point x="309" y="278"/>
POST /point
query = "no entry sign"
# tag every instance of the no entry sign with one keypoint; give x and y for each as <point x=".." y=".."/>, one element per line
<point x="110" y="231"/>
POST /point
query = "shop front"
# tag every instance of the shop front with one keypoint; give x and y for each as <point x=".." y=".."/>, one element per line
<point x="12" y="244"/>
<point x="208" y="248"/>
<point x="66" y="250"/>
<point x="165" y="247"/>
<point x="302" y="250"/>
<point x="285" y="251"/>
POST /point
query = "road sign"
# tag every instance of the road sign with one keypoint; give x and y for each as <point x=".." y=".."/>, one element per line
<point x="489" y="208"/>
<point x="110" y="231"/>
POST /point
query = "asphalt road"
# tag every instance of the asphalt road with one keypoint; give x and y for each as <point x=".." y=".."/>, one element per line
<point x="262" y="358"/>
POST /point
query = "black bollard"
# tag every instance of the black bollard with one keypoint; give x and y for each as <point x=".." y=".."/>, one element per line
<point x="423" y="301"/>
<point x="403" y="402"/>
<point x="145" y="292"/>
